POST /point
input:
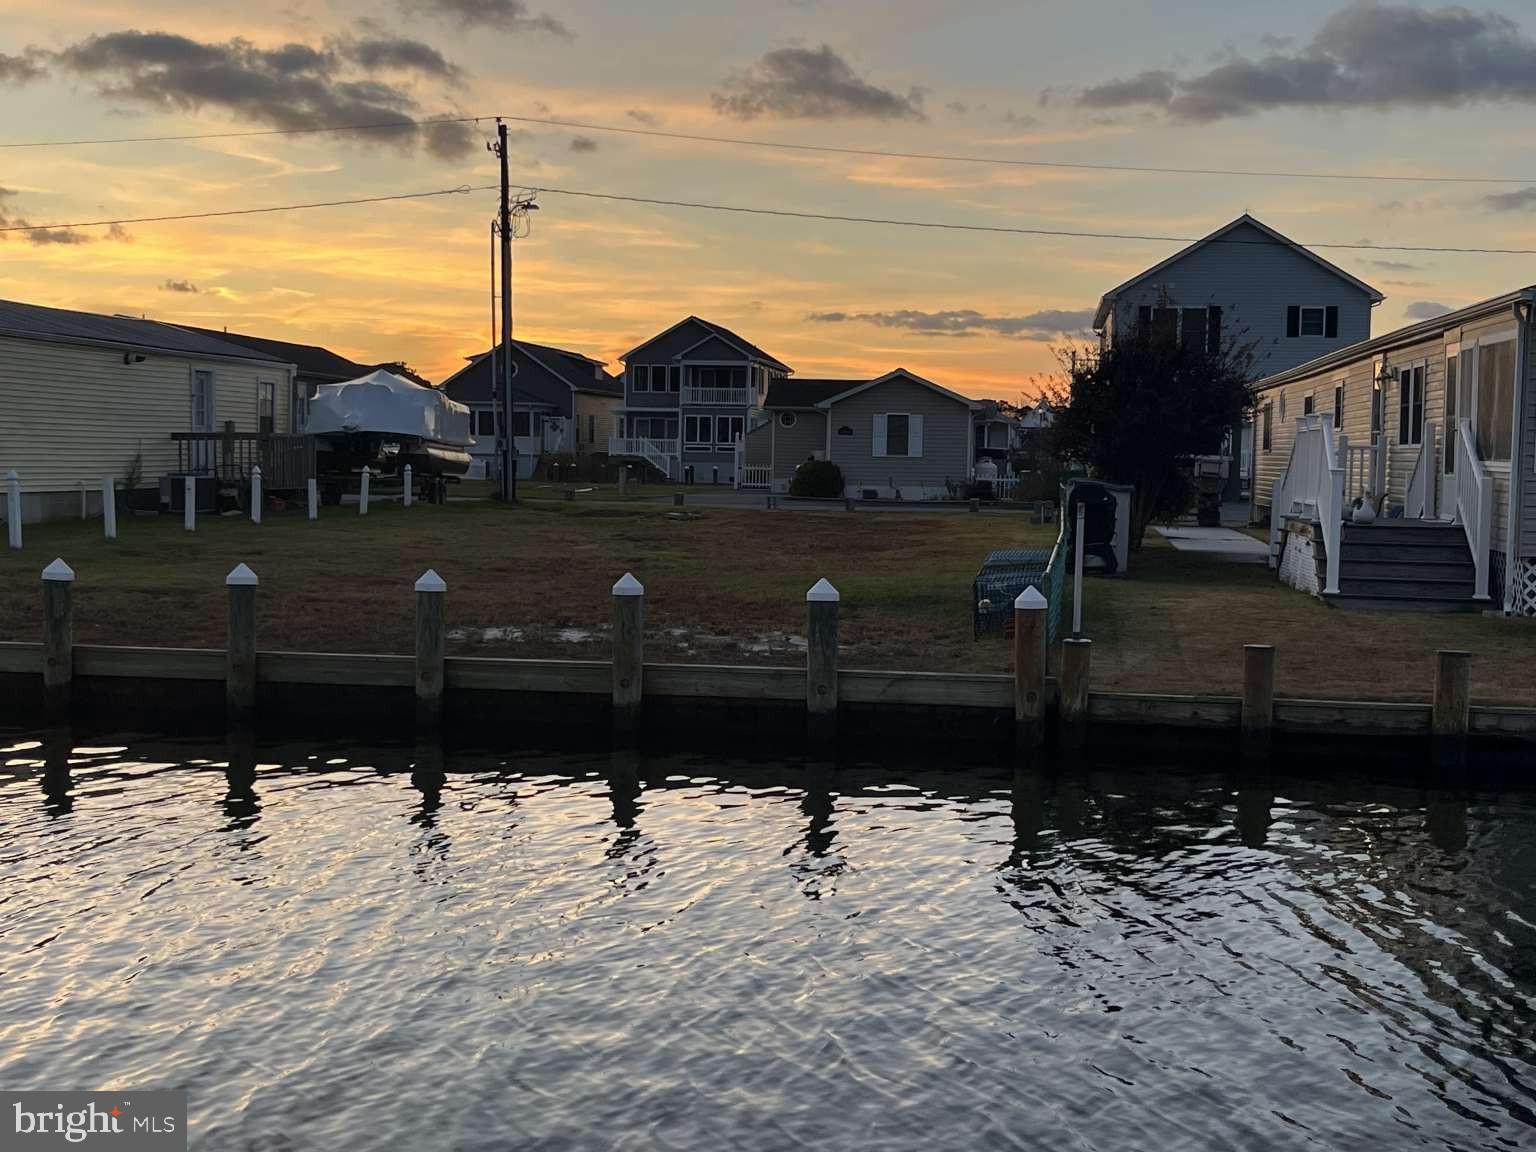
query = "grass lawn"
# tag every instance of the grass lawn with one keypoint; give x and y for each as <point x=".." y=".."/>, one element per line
<point x="726" y="586"/>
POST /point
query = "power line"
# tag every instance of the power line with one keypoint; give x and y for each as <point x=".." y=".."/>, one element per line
<point x="462" y="188"/>
<point x="999" y="228"/>
<point x="754" y="142"/>
<point x="888" y="221"/>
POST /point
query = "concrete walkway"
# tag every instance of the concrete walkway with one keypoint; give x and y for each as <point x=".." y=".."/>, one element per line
<point x="1218" y="543"/>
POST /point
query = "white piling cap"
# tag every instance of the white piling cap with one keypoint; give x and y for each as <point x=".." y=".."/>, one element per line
<point x="628" y="586"/>
<point x="1030" y="600"/>
<point x="822" y="592"/>
<point x="255" y="469"/>
<point x="430" y="581"/>
<point x="58" y="570"/>
<point x="11" y="475"/>
<point x="241" y="577"/>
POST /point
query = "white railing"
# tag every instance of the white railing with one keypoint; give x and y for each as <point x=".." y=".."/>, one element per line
<point x="1312" y="486"/>
<point x="718" y="397"/>
<point x="1419" y="495"/>
<point x="1474" y="503"/>
<point x="1362" y="471"/>
<point x="1005" y="486"/>
<point x="754" y="476"/>
<point x="660" y="454"/>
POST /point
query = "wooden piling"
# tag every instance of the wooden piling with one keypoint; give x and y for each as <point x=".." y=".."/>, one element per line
<point x="1451" y="718"/>
<point x="628" y="656"/>
<point x="1076" y="657"/>
<point x="1029" y="661"/>
<point x="58" y="639"/>
<point x="189" y="503"/>
<point x="1258" y="715"/>
<point x="13" y="510"/>
<point x="240" y="649"/>
<point x="109" y="507"/>
<point x="430" y="594"/>
<point x="821" y="605"/>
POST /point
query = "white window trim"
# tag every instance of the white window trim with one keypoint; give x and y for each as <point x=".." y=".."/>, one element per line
<point x="1397" y="407"/>
<point x="709" y="425"/>
<point x="260" y="384"/>
<point x="1341" y="393"/>
<point x="1301" y="322"/>
<point x="212" y="415"/>
<point x="884" y="424"/>
<point x="730" y="442"/>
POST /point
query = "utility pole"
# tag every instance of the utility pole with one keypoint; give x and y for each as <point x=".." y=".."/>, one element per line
<point x="509" y="441"/>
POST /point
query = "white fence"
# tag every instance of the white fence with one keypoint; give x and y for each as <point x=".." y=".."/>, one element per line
<point x="1474" y="503"/>
<point x="1312" y="486"/>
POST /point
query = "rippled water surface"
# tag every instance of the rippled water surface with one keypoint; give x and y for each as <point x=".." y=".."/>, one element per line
<point x="331" y="952"/>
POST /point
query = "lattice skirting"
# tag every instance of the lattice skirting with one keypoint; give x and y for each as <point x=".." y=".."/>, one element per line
<point x="1498" y="565"/>
<point x="1525" y="589"/>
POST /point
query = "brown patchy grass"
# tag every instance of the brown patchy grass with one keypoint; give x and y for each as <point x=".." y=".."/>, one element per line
<point x="718" y="582"/>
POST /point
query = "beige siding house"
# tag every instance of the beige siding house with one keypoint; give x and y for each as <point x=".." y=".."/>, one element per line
<point x="895" y="437"/>
<point x="86" y="397"/>
<point x="1417" y="419"/>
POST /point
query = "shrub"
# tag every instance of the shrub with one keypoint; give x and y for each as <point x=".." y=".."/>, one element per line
<point x="817" y="478"/>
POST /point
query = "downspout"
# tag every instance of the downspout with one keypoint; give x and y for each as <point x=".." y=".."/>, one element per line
<point x="1522" y="310"/>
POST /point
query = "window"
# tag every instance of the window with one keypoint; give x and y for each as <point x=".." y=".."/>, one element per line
<point x="522" y="422"/>
<point x="639" y="378"/>
<point x="1192" y="328"/>
<point x="1165" y="323"/>
<point x="897" y="435"/>
<point x="1213" y="330"/>
<point x="674" y="376"/>
<point x="591" y="429"/>
<point x="1269" y="427"/>
<point x="202" y="400"/>
<point x="720" y="377"/>
<point x="1308" y="404"/>
<point x="1338" y="406"/>
<point x="698" y="431"/>
<point x="266" y="407"/>
<point x="728" y="429"/>
<point x="1282" y="405"/>
<point x="298" y="404"/>
<point x="1410" y="405"/>
<point x="787" y="419"/>
<point x="1308" y="320"/>
<point x="1376" y="409"/>
<point x="1495" y="399"/>
<point x="653" y="427"/>
<point x="485" y="423"/>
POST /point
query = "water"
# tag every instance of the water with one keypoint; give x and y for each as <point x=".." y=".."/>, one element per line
<point x="337" y="955"/>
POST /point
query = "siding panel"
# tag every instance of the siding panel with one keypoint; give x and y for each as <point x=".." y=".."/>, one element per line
<point x="946" y="438"/>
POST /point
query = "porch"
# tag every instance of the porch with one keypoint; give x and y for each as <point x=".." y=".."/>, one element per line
<point x="287" y="460"/>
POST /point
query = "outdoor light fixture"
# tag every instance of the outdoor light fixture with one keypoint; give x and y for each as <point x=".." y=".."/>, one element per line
<point x="133" y="358"/>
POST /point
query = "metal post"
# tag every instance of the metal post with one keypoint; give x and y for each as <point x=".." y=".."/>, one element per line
<point x="821" y="606"/>
<point x="628" y="656"/>
<point x="430" y="593"/>
<point x="314" y="498"/>
<point x="1029" y="661"/>
<point x="1077" y="571"/>
<point x="407" y="485"/>
<point x="240" y="649"/>
<point x="189" y="503"/>
<point x="109" y="507"/>
<point x="508" y="404"/>
<point x="1258" y="716"/>
<point x="362" y="493"/>
<point x="255" y="493"/>
<point x="58" y="638"/>
<point x="13" y="510"/>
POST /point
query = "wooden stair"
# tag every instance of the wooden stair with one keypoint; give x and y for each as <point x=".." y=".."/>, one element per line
<point x="1406" y="566"/>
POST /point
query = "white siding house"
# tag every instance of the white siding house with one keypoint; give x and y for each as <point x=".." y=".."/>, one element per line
<point x="86" y="396"/>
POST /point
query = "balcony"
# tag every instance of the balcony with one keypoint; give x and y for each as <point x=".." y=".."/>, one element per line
<point x="718" y="397"/>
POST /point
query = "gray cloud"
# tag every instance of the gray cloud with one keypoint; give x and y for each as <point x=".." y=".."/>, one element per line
<point x="41" y="235"/>
<point x="583" y="144"/>
<point x="499" y="15"/>
<point x="1395" y="266"/>
<point x="811" y="84"/>
<point x="1517" y="201"/>
<point x="180" y="286"/>
<point x="1426" y="310"/>
<point x="21" y="69"/>
<point x="400" y="54"/>
<point x="1043" y="325"/>
<point x="958" y="107"/>
<point x="1365" y="55"/>
<point x="290" y="86"/>
<point x="1019" y="119"/>
<point x="641" y="116"/>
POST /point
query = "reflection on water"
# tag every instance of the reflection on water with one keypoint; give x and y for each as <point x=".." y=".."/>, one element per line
<point x="348" y="948"/>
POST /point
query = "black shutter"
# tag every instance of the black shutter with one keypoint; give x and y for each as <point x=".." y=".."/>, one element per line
<point x="1144" y="318"/>
<point x="1213" y="330"/>
<point x="1293" y="321"/>
<point x="1331" y="323"/>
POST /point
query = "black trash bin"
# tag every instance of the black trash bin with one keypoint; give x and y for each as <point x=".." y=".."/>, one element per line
<point x="1100" y="508"/>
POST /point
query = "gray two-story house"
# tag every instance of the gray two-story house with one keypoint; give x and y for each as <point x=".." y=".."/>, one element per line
<point x="690" y="395"/>
<point x="1246" y="283"/>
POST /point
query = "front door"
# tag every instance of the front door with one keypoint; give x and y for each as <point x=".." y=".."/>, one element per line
<point x="202" y="452"/>
<point x="1460" y="400"/>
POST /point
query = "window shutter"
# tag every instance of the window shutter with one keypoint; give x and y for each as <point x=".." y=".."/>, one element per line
<point x="914" y="435"/>
<point x="1331" y="321"/>
<point x="879" y="442"/>
<point x="1144" y="317"/>
<point x="1293" y="321"/>
<point x="1213" y="330"/>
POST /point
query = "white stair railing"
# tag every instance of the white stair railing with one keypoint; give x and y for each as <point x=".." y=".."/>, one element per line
<point x="1312" y="486"/>
<point x="1474" y="503"/>
<point x="1419" y="496"/>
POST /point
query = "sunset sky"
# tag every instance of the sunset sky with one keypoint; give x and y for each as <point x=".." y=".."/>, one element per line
<point x="1310" y="85"/>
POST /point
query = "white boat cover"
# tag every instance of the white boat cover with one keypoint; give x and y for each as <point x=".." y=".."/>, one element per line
<point x="390" y="404"/>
